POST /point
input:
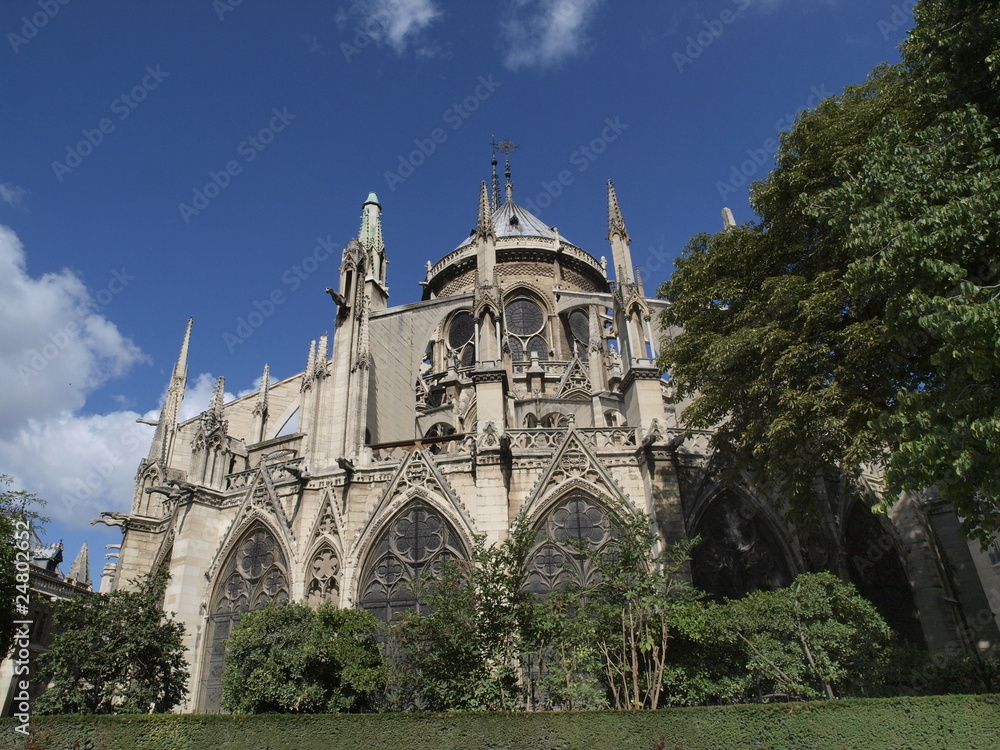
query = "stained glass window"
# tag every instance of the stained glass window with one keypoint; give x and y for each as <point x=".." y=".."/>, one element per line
<point x="554" y="557"/>
<point x="526" y="330"/>
<point x="415" y="542"/>
<point x="524" y="317"/>
<point x="255" y="574"/>
<point x="460" y="333"/>
<point x="579" y="327"/>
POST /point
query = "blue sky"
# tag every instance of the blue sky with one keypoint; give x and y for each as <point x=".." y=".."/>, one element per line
<point x="191" y="158"/>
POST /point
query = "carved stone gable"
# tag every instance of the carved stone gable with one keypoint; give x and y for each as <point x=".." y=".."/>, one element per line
<point x="417" y="476"/>
<point x="328" y="522"/>
<point x="573" y="464"/>
<point x="575" y="382"/>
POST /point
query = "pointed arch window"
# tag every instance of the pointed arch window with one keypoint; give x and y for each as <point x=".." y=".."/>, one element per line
<point x="255" y="574"/>
<point x="461" y="331"/>
<point x="578" y="323"/>
<point x="414" y="543"/>
<point x="739" y="552"/>
<point x="555" y="562"/>
<point x="525" y="329"/>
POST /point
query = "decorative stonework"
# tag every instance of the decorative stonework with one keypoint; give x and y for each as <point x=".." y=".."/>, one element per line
<point x="576" y="382"/>
<point x="416" y="541"/>
<point x="554" y="562"/>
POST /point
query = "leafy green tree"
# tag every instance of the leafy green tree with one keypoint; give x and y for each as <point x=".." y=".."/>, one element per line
<point x="15" y="515"/>
<point x="564" y="660"/>
<point x="635" y="601"/>
<point x="857" y="322"/>
<point x="295" y="659"/>
<point x="115" y="653"/>
<point x="461" y="650"/>
<point x="818" y="638"/>
<point x="809" y="638"/>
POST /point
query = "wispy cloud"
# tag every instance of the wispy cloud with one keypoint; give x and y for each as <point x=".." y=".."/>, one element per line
<point x="12" y="194"/>
<point x="395" y="22"/>
<point x="55" y="349"/>
<point x="544" y="33"/>
<point x="311" y="42"/>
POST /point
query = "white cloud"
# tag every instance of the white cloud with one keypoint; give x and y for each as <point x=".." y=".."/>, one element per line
<point x="395" y="22"/>
<point x="198" y="396"/>
<point x="55" y="348"/>
<point x="82" y="464"/>
<point x="12" y="194"/>
<point x="544" y="33"/>
<point x="79" y="464"/>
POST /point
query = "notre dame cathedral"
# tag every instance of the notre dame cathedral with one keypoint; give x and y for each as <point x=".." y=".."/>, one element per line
<point x="524" y="382"/>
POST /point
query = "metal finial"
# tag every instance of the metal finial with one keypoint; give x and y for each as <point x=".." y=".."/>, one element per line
<point x="495" y="198"/>
<point x="506" y="145"/>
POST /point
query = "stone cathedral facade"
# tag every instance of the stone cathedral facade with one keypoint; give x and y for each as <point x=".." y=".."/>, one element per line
<point x="524" y="382"/>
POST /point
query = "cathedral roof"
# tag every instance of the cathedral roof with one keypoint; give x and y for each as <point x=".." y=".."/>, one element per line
<point x="512" y="220"/>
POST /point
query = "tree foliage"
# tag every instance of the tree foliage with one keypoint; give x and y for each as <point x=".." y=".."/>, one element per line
<point x="634" y="603"/>
<point x="634" y="635"/>
<point x="483" y="641"/>
<point x="817" y="638"/>
<point x="292" y="658"/>
<point x="15" y="506"/>
<point x="857" y="322"/>
<point x="461" y="649"/>
<point x="115" y="653"/>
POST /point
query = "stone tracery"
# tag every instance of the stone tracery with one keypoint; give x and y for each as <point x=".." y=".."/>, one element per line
<point x="414" y="543"/>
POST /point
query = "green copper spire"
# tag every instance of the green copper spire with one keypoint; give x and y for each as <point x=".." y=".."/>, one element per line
<point x="370" y="237"/>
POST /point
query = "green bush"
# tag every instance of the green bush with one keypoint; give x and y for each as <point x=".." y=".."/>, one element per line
<point x="961" y="721"/>
<point x="296" y="659"/>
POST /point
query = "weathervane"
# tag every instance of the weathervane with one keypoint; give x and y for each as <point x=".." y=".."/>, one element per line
<point x="506" y="145"/>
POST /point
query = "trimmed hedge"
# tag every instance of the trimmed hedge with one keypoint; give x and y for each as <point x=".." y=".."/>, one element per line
<point x="950" y="721"/>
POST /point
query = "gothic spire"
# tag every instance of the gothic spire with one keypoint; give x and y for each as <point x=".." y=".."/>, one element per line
<point x="621" y="253"/>
<point x="322" y="355"/>
<point x="506" y="145"/>
<point x="79" y="571"/>
<point x="616" y="222"/>
<point x="265" y="382"/>
<point x="310" y="373"/>
<point x="370" y="237"/>
<point x="167" y="424"/>
<point x="728" y="221"/>
<point x="495" y="201"/>
<point x="218" y="398"/>
<point x="484" y="224"/>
